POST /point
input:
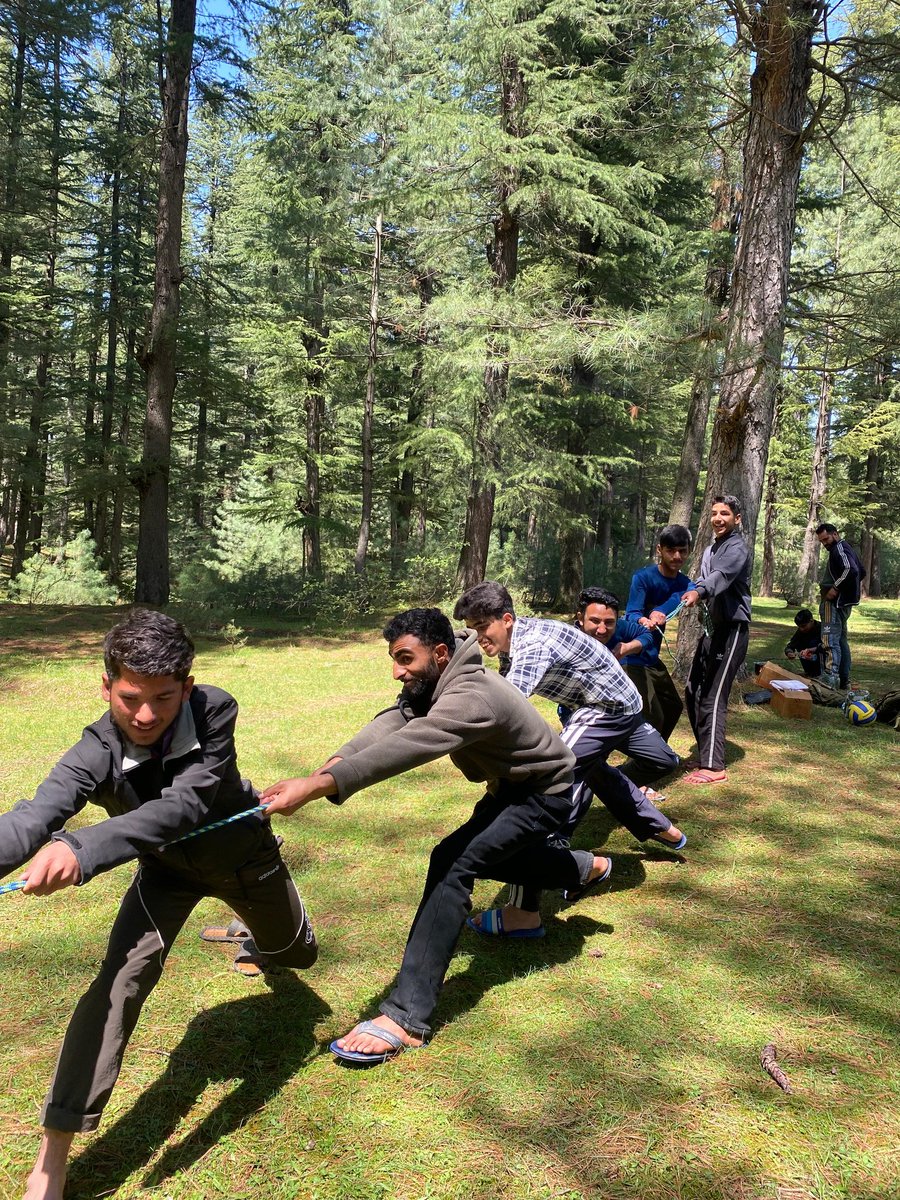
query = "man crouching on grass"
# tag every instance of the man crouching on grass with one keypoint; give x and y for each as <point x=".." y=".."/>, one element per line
<point x="451" y="705"/>
<point x="161" y="762"/>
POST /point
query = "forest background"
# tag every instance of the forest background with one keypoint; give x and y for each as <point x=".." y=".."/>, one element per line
<point x="452" y="290"/>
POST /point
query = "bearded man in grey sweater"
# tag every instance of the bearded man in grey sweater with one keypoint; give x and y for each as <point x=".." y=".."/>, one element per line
<point x="451" y="705"/>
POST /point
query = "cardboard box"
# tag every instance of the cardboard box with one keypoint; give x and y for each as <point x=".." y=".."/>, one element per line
<point x="772" y="671"/>
<point x="792" y="704"/>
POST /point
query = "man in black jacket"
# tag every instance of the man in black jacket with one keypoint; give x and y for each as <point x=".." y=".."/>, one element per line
<point x="724" y="586"/>
<point x="162" y="763"/>
<point x="840" y="588"/>
<point x="804" y="645"/>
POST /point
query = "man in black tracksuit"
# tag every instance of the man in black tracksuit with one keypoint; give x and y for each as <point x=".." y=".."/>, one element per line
<point x="840" y="587"/>
<point x="161" y="762"/>
<point x="724" y="586"/>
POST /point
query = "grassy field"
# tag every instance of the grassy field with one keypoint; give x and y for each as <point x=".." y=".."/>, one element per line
<point x="618" y="1057"/>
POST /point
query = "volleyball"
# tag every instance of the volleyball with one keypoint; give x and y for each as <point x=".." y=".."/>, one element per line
<point x="860" y="712"/>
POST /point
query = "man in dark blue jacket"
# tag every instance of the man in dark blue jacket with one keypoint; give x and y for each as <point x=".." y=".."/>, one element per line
<point x="840" y="588"/>
<point x="161" y="762"/>
<point x="656" y="592"/>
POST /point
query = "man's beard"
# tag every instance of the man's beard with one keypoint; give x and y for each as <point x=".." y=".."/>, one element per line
<point x="419" y="693"/>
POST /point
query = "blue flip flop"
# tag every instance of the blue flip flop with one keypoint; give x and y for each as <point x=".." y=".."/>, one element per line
<point x="492" y="926"/>
<point x="571" y="894"/>
<point x="374" y="1059"/>
<point x="679" y="845"/>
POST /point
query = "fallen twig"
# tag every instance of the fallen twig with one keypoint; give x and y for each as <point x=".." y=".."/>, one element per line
<point x="768" y="1060"/>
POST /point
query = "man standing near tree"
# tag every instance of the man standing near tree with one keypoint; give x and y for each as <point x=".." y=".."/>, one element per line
<point x="840" y="588"/>
<point x="724" y="587"/>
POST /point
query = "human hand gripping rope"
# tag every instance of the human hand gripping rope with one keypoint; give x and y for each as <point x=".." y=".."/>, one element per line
<point x="17" y="884"/>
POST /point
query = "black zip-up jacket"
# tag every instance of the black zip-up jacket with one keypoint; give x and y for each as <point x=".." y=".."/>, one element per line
<point x="149" y="801"/>
<point x="724" y="581"/>
<point x="844" y="573"/>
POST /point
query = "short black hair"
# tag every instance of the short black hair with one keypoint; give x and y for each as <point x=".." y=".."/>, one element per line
<point x="487" y="600"/>
<point x="429" y="625"/>
<point x="733" y="502"/>
<point x="148" y="643"/>
<point x="826" y="527"/>
<point x="803" y="617"/>
<point x="597" y="595"/>
<point x="672" y="536"/>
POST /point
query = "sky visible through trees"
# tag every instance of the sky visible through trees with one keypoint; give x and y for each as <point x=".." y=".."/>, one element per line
<point x="610" y="271"/>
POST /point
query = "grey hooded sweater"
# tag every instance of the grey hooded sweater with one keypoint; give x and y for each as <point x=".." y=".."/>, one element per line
<point x="488" y="729"/>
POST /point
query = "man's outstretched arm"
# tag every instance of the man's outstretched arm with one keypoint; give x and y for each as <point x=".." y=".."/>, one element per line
<point x="290" y="794"/>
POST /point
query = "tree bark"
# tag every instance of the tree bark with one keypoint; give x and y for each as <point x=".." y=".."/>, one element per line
<point x="781" y="33"/>
<point x="868" y="545"/>
<point x="310" y="504"/>
<point x="365" y="520"/>
<point x="726" y="210"/>
<point x="767" y="580"/>
<point x="158" y="359"/>
<point x="105" y="496"/>
<point x="29" y="521"/>
<point x="503" y="253"/>
<point x="809" y="559"/>
<point x="403" y="505"/>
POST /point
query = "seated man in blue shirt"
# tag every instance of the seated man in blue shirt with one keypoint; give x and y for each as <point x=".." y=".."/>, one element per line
<point x="657" y="589"/>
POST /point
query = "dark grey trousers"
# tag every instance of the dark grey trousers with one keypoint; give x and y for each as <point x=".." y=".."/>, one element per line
<point x="151" y="914"/>
<point x="662" y="704"/>
<point x="504" y="839"/>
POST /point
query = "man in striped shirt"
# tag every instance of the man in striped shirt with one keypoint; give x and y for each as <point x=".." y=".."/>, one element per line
<point x="565" y="665"/>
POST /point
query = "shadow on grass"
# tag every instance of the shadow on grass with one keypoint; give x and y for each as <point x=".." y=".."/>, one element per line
<point x="260" y="1041"/>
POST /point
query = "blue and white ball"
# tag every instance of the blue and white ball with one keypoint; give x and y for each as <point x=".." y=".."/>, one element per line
<point x="860" y="712"/>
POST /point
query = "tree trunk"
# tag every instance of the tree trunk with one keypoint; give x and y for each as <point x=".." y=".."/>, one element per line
<point x="365" y="520"/>
<point x="503" y="253"/>
<point x="809" y="559"/>
<point x="8" y="240"/>
<point x="868" y="541"/>
<point x="604" y="523"/>
<point x="781" y="32"/>
<point x="725" y="218"/>
<point x="158" y="359"/>
<point x="310" y="505"/>
<point x="403" y="507"/>
<point x="29" y="520"/>
<point x="767" y="581"/>
<point x="101" y="525"/>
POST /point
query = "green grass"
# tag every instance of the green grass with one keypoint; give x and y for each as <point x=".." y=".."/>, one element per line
<point x="618" y="1058"/>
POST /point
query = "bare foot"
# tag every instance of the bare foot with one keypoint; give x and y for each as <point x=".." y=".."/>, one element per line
<point x="601" y="868"/>
<point x="600" y="872"/>
<point x="48" y="1176"/>
<point x="705" y="776"/>
<point x="513" y="919"/>
<point x="368" y="1043"/>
